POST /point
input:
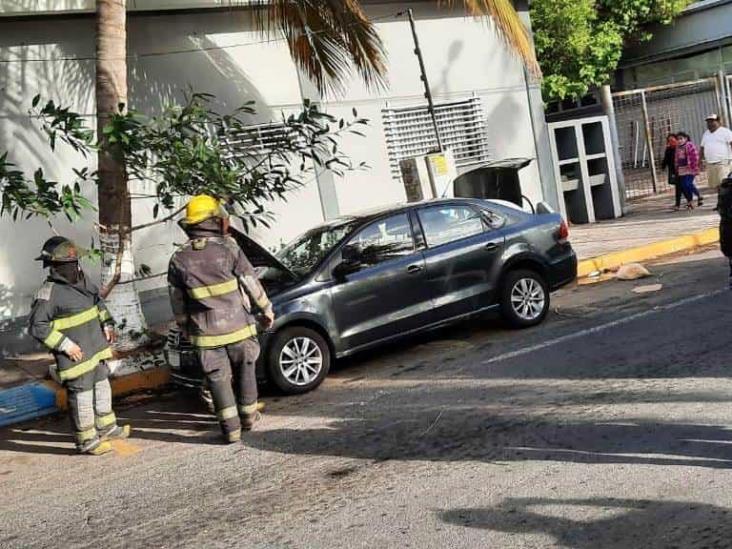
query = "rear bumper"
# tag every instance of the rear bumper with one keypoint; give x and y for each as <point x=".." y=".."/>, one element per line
<point x="563" y="271"/>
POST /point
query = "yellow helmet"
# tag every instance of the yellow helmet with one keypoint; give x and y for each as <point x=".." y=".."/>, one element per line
<point x="203" y="207"/>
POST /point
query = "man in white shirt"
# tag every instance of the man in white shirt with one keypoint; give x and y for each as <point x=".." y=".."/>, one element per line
<point x="716" y="151"/>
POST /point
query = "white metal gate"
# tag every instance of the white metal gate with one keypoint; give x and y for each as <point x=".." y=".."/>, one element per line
<point x="646" y="116"/>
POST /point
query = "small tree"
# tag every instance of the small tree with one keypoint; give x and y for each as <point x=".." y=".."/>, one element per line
<point x="579" y="43"/>
<point x="189" y="149"/>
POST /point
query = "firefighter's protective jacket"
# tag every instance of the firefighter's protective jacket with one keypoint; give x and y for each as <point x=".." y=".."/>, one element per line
<point x="63" y="313"/>
<point x="213" y="289"/>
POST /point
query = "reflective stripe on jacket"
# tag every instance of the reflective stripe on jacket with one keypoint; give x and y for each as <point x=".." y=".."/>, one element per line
<point x="213" y="289"/>
<point x="75" y="312"/>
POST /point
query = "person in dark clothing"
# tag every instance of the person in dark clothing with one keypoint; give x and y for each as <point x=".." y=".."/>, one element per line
<point x="71" y="319"/>
<point x="214" y="292"/>
<point x="669" y="164"/>
<point x="724" y="208"/>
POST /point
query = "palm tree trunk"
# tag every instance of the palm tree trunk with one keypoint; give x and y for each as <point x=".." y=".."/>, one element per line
<point x="114" y="200"/>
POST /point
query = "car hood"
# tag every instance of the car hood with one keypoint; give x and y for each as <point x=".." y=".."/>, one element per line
<point x="257" y="254"/>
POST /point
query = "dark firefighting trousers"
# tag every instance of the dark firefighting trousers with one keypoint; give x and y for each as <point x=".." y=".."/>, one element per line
<point x="232" y="400"/>
<point x="90" y="405"/>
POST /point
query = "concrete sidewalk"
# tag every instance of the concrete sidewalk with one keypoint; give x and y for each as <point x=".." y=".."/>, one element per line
<point x="646" y="221"/>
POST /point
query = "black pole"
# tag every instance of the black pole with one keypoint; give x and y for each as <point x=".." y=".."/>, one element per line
<point x="427" y="92"/>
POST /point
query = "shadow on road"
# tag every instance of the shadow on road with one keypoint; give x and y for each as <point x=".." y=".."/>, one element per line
<point x="465" y="434"/>
<point x="620" y="523"/>
<point x="175" y="419"/>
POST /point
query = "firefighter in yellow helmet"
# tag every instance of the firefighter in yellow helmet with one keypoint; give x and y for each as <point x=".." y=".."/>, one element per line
<point x="214" y="293"/>
<point x="71" y="319"/>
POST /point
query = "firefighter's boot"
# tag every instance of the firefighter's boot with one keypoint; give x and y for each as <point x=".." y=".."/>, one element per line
<point x="249" y="420"/>
<point x="116" y="432"/>
<point x="95" y="447"/>
<point x="233" y="437"/>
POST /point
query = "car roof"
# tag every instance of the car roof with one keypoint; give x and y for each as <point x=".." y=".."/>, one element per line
<point x="379" y="211"/>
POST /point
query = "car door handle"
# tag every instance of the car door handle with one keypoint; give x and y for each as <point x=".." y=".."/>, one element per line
<point x="491" y="246"/>
<point x="414" y="269"/>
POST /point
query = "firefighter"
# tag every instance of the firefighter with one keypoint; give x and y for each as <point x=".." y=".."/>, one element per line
<point x="71" y="319"/>
<point x="214" y="293"/>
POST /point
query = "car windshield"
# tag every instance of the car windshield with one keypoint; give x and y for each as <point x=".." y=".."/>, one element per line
<point x="303" y="254"/>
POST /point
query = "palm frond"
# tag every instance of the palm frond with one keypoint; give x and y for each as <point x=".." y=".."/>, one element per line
<point x="509" y="26"/>
<point x="327" y="39"/>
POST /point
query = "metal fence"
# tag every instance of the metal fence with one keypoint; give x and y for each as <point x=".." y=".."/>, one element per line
<point x="644" y="119"/>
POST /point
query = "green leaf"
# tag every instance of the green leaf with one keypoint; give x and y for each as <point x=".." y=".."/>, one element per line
<point x="36" y="100"/>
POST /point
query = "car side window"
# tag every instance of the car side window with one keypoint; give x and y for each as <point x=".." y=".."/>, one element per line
<point x="445" y="224"/>
<point x="384" y="239"/>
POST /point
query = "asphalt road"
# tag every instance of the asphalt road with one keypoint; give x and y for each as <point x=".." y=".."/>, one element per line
<point x="609" y="426"/>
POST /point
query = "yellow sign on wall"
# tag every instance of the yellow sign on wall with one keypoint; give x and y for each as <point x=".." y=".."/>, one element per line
<point x="439" y="164"/>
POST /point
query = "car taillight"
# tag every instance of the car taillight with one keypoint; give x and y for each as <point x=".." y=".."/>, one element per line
<point x="562" y="234"/>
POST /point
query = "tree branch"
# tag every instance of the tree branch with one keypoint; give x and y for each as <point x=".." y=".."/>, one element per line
<point x="138" y="279"/>
<point x="158" y="221"/>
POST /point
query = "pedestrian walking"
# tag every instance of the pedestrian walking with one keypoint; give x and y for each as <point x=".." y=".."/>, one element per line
<point x="669" y="164"/>
<point x="214" y="293"/>
<point x="687" y="168"/>
<point x="716" y="151"/>
<point x="71" y="319"/>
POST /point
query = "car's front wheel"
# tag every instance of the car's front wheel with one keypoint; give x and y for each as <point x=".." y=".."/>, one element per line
<point x="298" y="360"/>
<point x="524" y="298"/>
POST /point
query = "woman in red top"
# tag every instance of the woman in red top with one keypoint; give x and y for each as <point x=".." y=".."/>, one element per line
<point x="687" y="168"/>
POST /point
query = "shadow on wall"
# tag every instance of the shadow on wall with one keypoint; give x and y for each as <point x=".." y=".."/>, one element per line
<point x="155" y="81"/>
<point x="14" y="338"/>
<point x="453" y="53"/>
<point x="68" y="81"/>
<point x="621" y="523"/>
<point x="504" y="121"/>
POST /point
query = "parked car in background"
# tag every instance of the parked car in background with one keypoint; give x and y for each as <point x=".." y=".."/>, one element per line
<point x="362" y="280"/>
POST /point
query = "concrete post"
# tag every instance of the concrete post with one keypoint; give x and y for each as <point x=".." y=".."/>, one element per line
<point x="539" y="128"/>
<point x="649" y="141"/>
<point x="726" y="100"/>
<point x="606" y="98"/>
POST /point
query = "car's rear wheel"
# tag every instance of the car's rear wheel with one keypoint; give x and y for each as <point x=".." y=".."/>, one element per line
<point x="298" y="360"/>
<point x="524" y="298"/>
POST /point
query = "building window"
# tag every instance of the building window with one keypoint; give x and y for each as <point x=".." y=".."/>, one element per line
<point x="409" y="132"/>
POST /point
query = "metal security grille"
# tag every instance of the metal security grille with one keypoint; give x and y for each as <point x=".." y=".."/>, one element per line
<point x="257" y="141"/>
<point x="644" y="119"/>
<point x="409" y="132"/>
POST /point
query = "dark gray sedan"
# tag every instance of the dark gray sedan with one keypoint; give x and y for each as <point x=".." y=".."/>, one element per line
<point x="362" y="280"/>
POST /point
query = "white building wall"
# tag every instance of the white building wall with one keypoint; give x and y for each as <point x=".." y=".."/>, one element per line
<point x="463" y="57"/>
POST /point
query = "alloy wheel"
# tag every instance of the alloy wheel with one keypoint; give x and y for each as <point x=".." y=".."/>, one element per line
<point x="301" y="361"/>
<point x="528" y="299"/>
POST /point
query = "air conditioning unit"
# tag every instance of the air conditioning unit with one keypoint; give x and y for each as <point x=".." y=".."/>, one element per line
<point x="428" y="176"/>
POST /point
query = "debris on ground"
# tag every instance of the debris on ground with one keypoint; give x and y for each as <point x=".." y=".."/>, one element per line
<point x="649" y="288"/>
<point x="603" y="277"/>
<point x="632" y="271"/>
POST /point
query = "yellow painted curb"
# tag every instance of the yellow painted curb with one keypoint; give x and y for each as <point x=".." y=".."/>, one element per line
<point x="614" y="260"/>
<point x="124" y="385"/>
